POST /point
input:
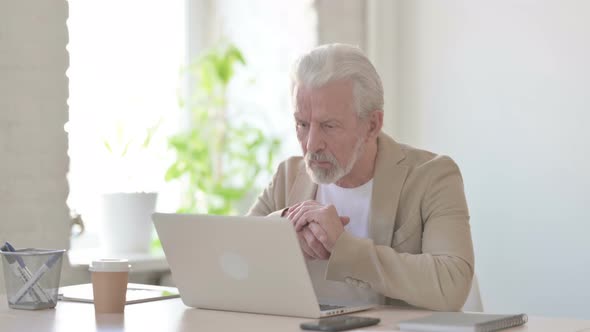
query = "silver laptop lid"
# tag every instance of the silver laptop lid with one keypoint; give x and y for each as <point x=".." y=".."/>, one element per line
<point x="248" y="264"/>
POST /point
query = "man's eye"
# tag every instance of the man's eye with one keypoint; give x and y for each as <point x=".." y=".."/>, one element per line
<point x="301" y="125"/>
<point x="329" y="126"/>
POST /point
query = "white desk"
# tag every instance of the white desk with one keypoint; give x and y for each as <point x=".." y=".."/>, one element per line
<point x="173" y="315"/>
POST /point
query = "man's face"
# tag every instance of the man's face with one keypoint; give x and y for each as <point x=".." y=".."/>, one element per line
<point x="329" y="131"/>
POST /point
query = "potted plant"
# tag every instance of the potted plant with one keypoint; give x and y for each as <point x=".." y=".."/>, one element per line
<point x="221" y="156"/>
<point x="129" y="197"/>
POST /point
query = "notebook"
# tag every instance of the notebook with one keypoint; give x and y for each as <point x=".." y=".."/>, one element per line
<point x="462" y="322"/>
<point x="136" y="293"/>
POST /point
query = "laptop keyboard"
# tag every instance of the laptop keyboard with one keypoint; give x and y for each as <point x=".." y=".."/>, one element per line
<point x="324" y="307"/>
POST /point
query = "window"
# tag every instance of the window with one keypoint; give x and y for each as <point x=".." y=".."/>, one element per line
<point x="125" y="60"/>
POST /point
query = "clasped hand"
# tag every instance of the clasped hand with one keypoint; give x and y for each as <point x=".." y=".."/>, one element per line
<point x="317" y="226"/>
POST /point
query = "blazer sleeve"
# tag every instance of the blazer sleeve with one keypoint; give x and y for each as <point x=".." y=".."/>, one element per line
<point x="271" y="202"/>
<point x="440" y="277"/>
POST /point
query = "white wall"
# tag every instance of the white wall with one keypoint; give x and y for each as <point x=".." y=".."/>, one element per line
<point x="33" y="111"/>
<point x="341" y="21"/>
<point x="504" y="88"/>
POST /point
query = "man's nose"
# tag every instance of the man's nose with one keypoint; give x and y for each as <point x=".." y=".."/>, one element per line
<point x="315" y="139"/>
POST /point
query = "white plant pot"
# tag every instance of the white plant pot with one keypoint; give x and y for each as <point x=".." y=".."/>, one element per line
<point x="127" y="222"/>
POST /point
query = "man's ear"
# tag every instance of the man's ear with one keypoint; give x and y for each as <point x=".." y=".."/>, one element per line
<point x="375" y="123"/>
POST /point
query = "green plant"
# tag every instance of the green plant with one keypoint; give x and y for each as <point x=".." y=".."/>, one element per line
<point x="120" y="143"/>
<point x="220" y="157"/>
<point x="128" y="149"/>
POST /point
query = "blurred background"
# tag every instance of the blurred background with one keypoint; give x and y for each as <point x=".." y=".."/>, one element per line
<point x="98" y="101"/>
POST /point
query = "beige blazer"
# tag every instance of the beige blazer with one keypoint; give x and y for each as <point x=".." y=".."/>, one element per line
<point x="420" y="248"/>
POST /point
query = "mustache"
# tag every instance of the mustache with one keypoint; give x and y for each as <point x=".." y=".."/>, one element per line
<point x="320" y="156"/>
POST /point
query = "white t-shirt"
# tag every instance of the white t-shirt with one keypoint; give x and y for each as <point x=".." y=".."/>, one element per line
<point x="354" y="203"/>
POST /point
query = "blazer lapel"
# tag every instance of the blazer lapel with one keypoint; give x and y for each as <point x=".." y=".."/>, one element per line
<point x="303" y="188"/>
<point x="388" y="181"/>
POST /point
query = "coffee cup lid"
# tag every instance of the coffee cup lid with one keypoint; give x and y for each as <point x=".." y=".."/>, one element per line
<point x="110" y="265"/>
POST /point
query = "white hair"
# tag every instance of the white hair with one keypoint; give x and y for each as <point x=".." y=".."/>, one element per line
<point x="333" y="62"/>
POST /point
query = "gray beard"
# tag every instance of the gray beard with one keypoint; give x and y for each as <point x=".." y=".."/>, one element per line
<point x="337" y="172"/>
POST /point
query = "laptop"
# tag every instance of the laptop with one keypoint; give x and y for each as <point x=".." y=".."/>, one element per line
<point x="246" y="264"/>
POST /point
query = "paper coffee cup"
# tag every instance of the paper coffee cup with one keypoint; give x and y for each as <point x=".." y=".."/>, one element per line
<point x="109" y="284"/>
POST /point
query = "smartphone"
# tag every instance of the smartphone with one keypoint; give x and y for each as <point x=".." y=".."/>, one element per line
<point x="339" y="323"/>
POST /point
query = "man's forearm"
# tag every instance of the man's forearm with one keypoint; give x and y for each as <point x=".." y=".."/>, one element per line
<point x="437" y="282"/>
